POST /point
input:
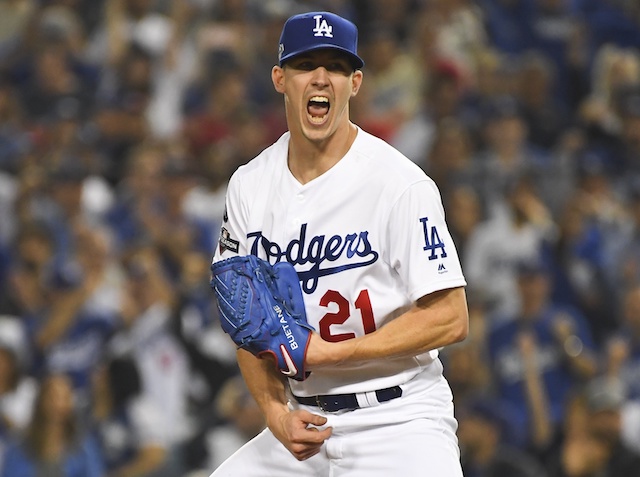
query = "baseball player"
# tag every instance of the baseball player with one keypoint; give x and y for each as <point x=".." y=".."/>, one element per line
<point x="364" y="228"/>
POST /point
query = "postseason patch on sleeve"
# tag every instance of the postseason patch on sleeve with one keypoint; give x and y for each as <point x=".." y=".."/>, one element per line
<point x="226" y="242"/>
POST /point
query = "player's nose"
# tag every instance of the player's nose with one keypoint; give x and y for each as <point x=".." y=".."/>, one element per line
<point x="320" y="76"/>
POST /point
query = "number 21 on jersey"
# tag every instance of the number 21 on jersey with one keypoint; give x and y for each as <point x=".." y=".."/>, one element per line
<point x="362" y="305"/>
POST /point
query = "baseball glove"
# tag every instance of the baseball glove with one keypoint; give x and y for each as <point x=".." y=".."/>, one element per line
<point x="262" y="309"/>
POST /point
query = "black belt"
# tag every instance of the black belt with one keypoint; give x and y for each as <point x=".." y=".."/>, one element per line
<point x="347" y="402"/>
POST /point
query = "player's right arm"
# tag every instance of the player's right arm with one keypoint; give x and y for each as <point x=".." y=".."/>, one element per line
<point x="294" y="429"/>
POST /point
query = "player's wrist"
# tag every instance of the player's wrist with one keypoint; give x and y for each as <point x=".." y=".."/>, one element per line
<point x="274" y="412"/>
<point x="321" y="353"/>
<point x="274" y="417"/>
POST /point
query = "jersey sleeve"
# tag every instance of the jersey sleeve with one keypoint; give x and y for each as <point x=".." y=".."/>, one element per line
<point x="421" y="249"/>
<point x="232" y="238"/>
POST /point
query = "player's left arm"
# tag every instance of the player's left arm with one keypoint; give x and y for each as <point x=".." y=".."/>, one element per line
<point x="438" y="319"/>
<point x="421" y="251"/>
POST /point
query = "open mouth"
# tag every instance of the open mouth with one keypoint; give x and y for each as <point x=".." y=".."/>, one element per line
<point x="318" y="108"/>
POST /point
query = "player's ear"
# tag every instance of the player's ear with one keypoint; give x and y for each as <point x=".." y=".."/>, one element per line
<point x="356" y="81"/>
<point x="277" y="76"/>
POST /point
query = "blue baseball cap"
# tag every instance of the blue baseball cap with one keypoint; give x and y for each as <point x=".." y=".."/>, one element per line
<point x="316" y="30"/>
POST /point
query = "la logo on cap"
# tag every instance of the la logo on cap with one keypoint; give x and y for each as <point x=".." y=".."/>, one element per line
<point x="312" y="31"/>
<point x="322" y="27"/>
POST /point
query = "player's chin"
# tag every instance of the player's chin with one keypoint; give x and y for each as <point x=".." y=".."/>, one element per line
<point x="318" y="131"/>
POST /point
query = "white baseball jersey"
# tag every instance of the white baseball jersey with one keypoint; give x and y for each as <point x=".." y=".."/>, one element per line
<point x="367" y="238"/>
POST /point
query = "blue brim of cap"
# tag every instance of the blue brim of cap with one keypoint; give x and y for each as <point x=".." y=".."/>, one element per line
<point x="355" y="60"/>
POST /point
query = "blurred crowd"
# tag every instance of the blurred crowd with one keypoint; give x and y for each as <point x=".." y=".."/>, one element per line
<point x="120" y="124"/>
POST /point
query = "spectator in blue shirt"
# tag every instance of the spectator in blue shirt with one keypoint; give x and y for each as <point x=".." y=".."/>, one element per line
<point x="54" y="443"/>
<point x="538" y="357"/>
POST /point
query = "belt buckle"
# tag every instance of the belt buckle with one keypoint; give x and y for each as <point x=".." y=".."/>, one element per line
<point x="320" y="403"/>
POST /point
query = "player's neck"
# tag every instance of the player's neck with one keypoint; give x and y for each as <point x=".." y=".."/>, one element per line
<point x="310" y="159"/>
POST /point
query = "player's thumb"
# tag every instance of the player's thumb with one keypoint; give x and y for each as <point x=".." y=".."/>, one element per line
<point x="317" y="424"/>
<point x="317" y="420"/>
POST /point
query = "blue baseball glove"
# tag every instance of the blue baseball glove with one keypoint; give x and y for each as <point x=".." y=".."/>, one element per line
<point x="262" y="309"/>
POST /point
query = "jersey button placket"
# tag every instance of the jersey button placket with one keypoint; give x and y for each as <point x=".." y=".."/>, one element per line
<point x="296" y="221"/>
